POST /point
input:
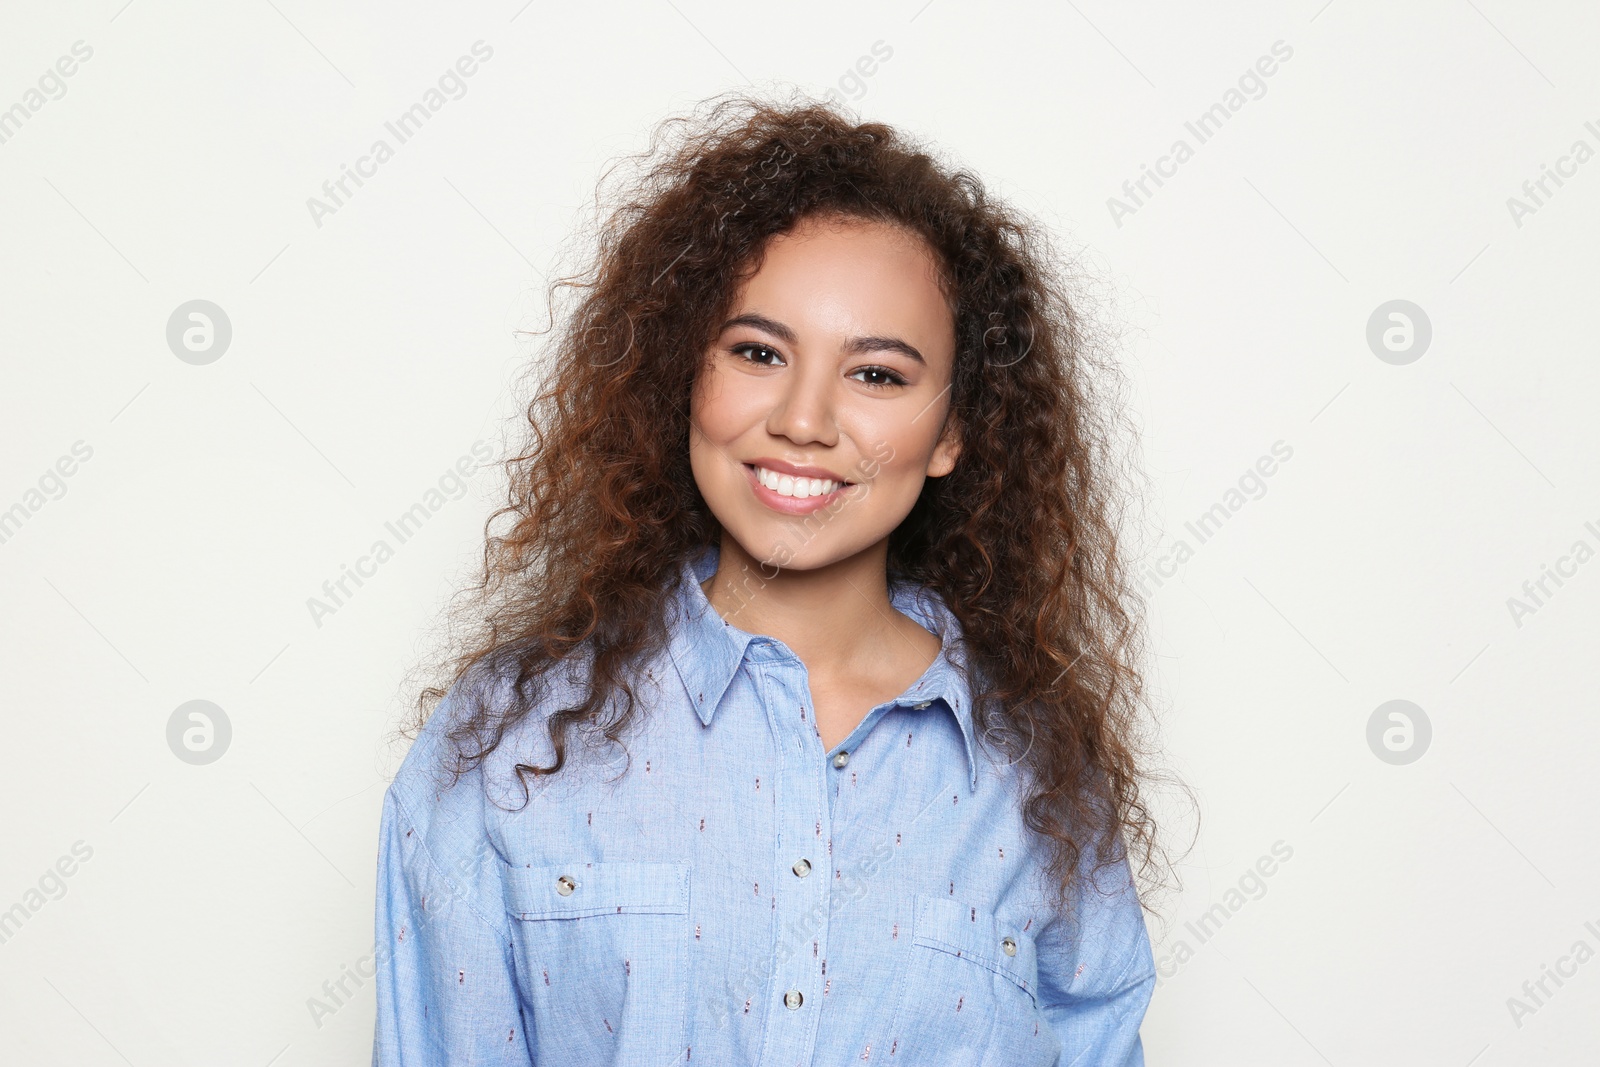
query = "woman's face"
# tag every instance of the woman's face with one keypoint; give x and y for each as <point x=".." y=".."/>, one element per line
<point x="835" y="363"/>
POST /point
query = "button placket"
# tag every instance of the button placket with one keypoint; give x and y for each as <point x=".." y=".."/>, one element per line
<point x="801" y="903"/>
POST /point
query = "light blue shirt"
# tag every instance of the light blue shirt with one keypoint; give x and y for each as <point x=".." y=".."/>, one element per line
<point x="739" y="895"/>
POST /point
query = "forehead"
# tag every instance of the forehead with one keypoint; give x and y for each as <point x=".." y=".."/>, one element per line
<point x="852" y="275"/>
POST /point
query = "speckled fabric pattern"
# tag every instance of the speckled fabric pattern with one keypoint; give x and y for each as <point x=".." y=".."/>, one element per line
<point x="726" y="891"/>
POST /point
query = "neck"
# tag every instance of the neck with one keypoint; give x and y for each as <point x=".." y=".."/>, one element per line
<point x="832" y="617"/>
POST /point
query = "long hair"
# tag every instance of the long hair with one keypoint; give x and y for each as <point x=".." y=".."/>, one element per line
<point x="1020" y="538"/>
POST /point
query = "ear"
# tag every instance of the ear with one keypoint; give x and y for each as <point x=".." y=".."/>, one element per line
<point x="947" y="451"/>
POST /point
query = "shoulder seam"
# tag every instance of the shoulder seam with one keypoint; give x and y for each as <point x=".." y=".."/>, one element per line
<point x="427" y="854"/>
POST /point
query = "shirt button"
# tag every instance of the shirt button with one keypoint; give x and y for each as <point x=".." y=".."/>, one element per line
<point x="1009" y="946"/>
<point x="924" y="704"/>
<point x="565" y="886"/>
<point x="841" y="759"/>
<point x="792" y="999"/>
<point x="802" y="868"/>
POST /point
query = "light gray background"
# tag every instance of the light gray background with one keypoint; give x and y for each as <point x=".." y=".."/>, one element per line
<point x="369" y="354"/>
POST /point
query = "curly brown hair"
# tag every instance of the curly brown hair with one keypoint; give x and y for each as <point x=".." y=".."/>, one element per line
<point x="1020" y="538"/>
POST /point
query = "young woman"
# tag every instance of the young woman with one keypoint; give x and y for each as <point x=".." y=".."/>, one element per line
<point x="799" y="722"/>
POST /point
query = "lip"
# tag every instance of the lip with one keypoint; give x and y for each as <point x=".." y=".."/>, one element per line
<point x="798" y="472"/>
<point x="789" y="505"/>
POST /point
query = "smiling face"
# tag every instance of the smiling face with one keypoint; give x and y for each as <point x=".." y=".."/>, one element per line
<point x="833" y="367"/>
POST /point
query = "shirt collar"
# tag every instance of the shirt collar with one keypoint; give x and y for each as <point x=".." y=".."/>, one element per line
<point x="707" y="650"/>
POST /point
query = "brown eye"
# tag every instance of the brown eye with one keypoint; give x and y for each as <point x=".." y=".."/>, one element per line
<point x="891" y="378"/>
<point x="740" y="350"/>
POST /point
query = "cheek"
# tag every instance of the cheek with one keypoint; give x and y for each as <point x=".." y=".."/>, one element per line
<point x="704" y="408"/>
<point x="896" y="447"/>
<point x="725" y="405"/>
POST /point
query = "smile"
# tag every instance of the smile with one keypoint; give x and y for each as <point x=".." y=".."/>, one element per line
<point x="790" y="494"/>
<point x="799" y="488"/>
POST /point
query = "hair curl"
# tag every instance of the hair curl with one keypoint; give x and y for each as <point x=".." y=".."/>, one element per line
<point x="1020" y="538"/>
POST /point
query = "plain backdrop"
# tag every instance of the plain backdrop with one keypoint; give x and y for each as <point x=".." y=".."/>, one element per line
<point x="1423" y="880"/>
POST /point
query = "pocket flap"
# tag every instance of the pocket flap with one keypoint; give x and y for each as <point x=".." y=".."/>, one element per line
<point x="977" y="935"/>
<point x="617" y="887"/>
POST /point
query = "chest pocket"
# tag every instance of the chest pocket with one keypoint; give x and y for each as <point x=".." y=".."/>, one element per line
<point x="968" y="992"/>
<point x="602" y="953"/>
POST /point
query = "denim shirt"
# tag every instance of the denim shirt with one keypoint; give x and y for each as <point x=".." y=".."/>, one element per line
<point x="738" y="894"/>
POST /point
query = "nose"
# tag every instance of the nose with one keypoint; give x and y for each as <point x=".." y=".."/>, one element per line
<point x="804" y="408"/>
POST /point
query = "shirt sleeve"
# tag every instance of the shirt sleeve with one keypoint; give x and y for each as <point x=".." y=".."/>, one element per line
<point x="446" y="978"/>
<point x="1097" y="974"/>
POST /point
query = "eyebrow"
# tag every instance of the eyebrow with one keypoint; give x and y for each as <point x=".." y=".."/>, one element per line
<point x="855" y="346"/>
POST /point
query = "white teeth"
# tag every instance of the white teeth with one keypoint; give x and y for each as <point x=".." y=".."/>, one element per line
<point x="799" y="488"/>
